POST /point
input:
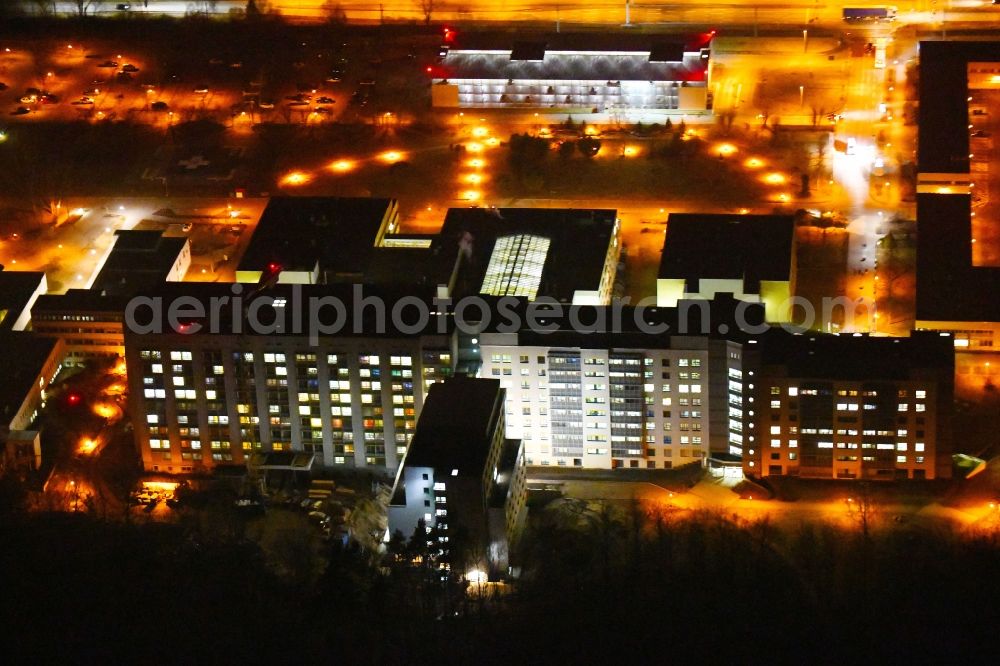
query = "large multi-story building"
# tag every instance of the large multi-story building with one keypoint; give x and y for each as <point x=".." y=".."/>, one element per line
<point x="461" y="475"/>
<point x="849" y="406"/>
<point x="624" y="399"/>
<point x="352" y="400"/>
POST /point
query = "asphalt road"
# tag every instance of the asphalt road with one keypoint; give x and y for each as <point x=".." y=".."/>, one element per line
<point x="694" y="12"/>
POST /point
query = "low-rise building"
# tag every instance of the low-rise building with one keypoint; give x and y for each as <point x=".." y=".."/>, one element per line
<point x="574" y="72"/>
<point x="749" y="256"/>
<point x="317" y="240"/>
<point x="849" y="406"/>
<point x="140" y="259"/>
<point x="462" y="480"/>
<point x="570" y="255"/>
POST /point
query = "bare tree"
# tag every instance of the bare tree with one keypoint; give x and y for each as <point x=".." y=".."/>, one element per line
<point x="83" y="7"/>
<point x="427" y="7"/>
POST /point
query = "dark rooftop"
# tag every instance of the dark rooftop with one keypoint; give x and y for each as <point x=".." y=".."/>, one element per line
<point x="22" y="356"/>
<point x="949" y="287"/>
<point x="943" y="142"/>
<point x="456" y="425"/>
<point x="16" y="290"/>
<point x="285" y="311"/>
<point x="734" y="247"/>
<point x="856" y="357"/>
<point x="579" y="241"/>
<point x="584" y="42"/>
<point x="138" y="260"/>
<point x="80" y="301"/>
<point x="296" y="233"/>
<point x="596" y="327"/>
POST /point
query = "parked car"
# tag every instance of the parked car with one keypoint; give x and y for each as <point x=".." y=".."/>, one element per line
<point x="19" y="111"/>
<point x="82" y="101"/>
<point x="266" y="104"/>
<point x="129" y="67"/>
<point x="110" y="64"/>
<point x="325" y="100"/>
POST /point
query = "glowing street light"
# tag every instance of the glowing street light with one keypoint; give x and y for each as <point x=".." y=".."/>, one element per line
<point x="471" y="195"/>
<point x="342" y="166"/>
<point x="391" y="156"/>
<point x="479" y="132"/>
<point x="474" y="147"/>
<point x="725" y="149"/>
<point x="630" y="151"/>
<point x="774" y="178"/>
<point x="476" y="163"/>
<point x="473" y="179"/>
<point x="754" y="163"/>
<point x="296" y="178"/>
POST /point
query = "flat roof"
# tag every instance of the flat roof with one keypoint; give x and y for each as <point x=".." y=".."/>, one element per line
<point x="456" y="425"/>
<point x="338" y="233"/>
<point x="562" y="66"/>
<point x="138" y="259"/>
<point x="949" y="286"/>
<point x="851" y="357"/>
<point x="734" y="247"/>
<point x="579" y="241"/>
<point x="77" y="301"/>
<point x="284" y="310"/>
<point x="22" y="356"/>
<point x="606" y="41"/>
<point x="16" y="290"/>
<point x="613" y="327"/>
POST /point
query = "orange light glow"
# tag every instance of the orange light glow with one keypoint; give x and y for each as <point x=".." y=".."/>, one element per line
<point x="471" y="195"/>
<point x="474" y="178"/>
<point x="296" y="178"/>
<point x="774" y="178"/>
<point x="479" y="132"/>
<point x="391" y="156"/>
<point x="86" y="446"/>
<point x="474" y="147"/>
<point x="476" y="163"/>
<point x="754" y="163"/>
<point x="630" y="151"/>
<point x="725" y="149"/>
<point x="342" y="166"/>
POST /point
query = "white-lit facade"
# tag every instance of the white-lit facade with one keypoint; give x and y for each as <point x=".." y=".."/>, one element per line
<point x="571" y="80"/>
<point x="604" y="408"/>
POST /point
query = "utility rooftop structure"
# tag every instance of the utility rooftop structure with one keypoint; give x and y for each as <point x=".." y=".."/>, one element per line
<point x="140" y="259"/>
<point x="605" y="72"/>
<point x="570" y="255"/>
<point x="958" y="251"/>
<point x="750" y="256"/>
<point x="310" y="240"/>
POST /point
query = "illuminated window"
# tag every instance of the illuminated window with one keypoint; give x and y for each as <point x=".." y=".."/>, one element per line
<point x="515" y="267"/>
